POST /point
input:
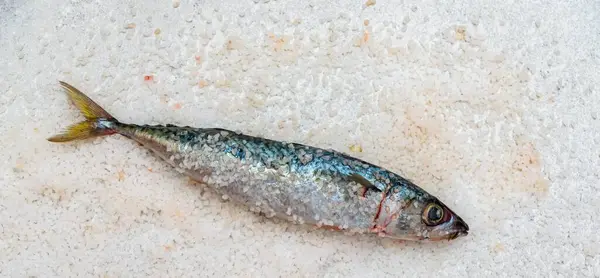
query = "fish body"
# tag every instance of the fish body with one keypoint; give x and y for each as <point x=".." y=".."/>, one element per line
<point x="296" y="182"/>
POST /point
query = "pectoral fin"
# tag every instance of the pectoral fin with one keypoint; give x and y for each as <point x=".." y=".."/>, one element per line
<point x="367" y="185"/>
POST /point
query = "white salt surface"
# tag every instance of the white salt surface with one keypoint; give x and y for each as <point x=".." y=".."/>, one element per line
<point x="492" y="106"/>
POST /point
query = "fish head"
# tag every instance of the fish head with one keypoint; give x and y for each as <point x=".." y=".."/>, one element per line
<point x="410" y="213"/>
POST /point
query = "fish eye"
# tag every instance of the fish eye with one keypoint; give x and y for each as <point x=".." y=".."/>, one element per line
<point x="433" y="214"/>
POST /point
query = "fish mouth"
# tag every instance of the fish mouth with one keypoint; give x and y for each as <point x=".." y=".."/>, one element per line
<point x="456" y="235"/>
<point x="455" y="229"/>
<point x="460" y="229"/>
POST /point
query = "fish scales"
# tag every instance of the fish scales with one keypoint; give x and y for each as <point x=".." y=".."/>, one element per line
<point x="292" y="181"/>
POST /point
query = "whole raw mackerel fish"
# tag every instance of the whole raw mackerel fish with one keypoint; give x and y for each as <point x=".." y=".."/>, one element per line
<point x="296" y="182"/>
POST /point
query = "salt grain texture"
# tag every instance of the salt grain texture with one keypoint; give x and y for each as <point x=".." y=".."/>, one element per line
<point x="510" y="149"/>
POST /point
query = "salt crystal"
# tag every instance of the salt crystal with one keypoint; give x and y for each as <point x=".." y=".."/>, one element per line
<point x="524" y="75"/>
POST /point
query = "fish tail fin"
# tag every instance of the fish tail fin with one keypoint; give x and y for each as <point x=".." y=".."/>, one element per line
<point x="98" y="122"/>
